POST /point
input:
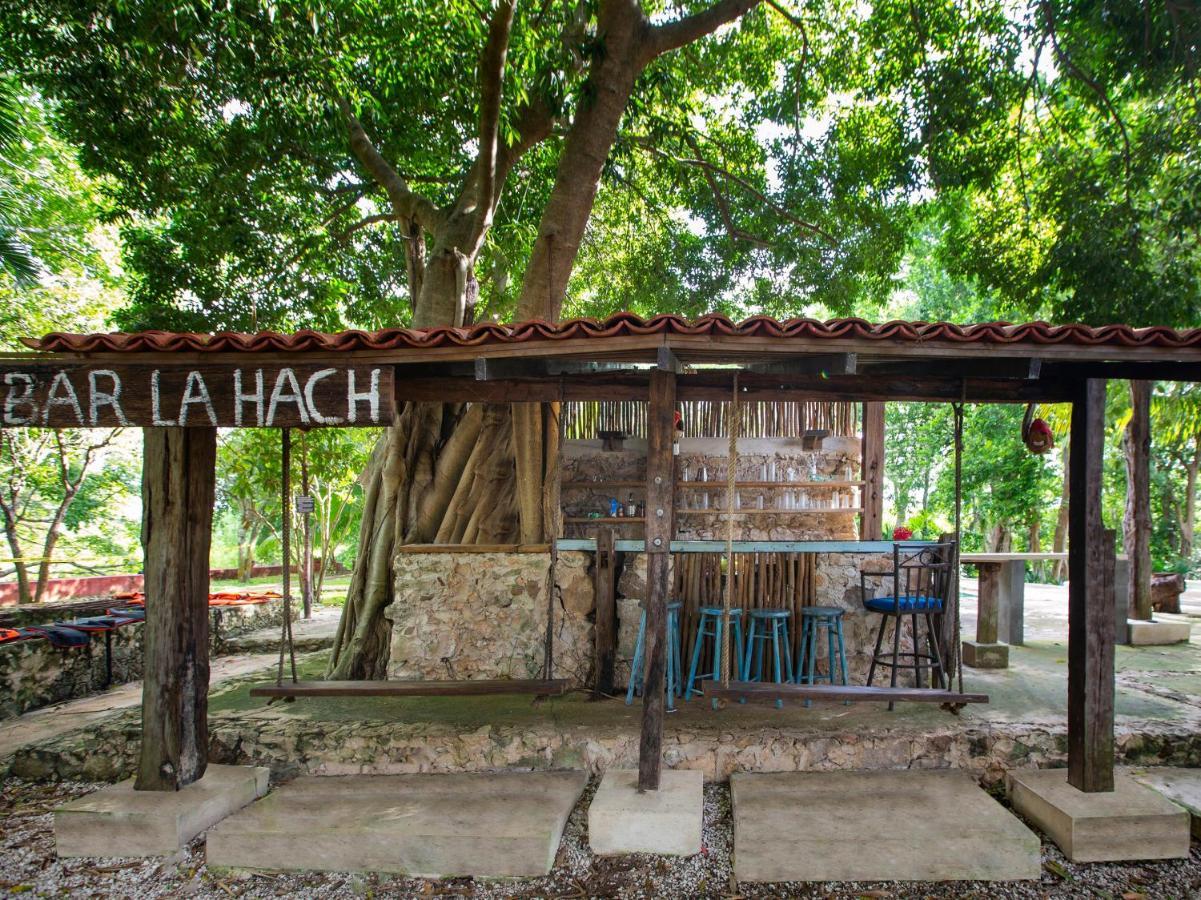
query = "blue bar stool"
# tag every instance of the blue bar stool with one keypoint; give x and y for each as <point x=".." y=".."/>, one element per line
<point x="813" y="619"/>
<point x="710" y="626"/>
<point x="674" y="669"/>
<point x="768" y="631"/>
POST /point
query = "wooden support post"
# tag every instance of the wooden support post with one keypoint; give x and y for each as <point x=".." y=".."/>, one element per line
<point x="660" y="489"/>
<point x="1090" y="602"/>
<point x="1136" y="525"/>
<point x="178" y="479"/>
<point x="872" y="455"/>
<point x="606" y="611"/>
<point x="988" y="605"/>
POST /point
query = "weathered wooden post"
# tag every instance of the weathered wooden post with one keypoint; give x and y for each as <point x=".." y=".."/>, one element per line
<point x="606" y="611"/>
<point x="660" y="492"/>
<point x="872" y="472"/>
<point x="1090" y="602"/>
<point x="178" y="474"/>
<point x="1136" y="525"/>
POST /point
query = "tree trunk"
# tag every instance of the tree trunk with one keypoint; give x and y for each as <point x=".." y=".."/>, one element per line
<point x="1188" y="524"/>
<point x="1136" y="524"/>
<point x="178" y="483"/>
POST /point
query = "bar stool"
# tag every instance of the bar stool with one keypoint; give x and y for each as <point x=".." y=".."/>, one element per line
<point x="674" y="677"/>
<point x="768" y="630"/>
<point x="813" y="619"/>
<point x="710" y="626"/>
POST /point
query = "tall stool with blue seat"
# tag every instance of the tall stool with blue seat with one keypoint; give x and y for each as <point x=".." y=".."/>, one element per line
<point x="674" y="679"/>
<point x="709" y="625"/>
<point x="920" y="588"/>
<point x="767" y="637"/>
<point x="813" y="620"/>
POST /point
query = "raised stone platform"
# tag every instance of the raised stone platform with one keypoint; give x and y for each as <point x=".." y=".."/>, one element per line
<point x="876" y="826"/>
<point x="666" y="821"/>
<point x="1157" y="633"/>
<point x="434" y="826"/>
<point x="119" y="821"/>
<point x="1129" y="823"/>
<point x="981" y="655"/>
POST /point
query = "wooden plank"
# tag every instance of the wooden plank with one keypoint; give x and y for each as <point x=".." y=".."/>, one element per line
<point x="178" y="487"/>
<point x="758" y="690"/>
<point x="465" y="688"/>
<point x="865" y="547"/>
<point x="1090" y="602"/>
<point x="1010" y="557"/>
<point x="660" y="483"/>
<point x="204" y="396"/>
<point x="475" y="548"/>
<point x="606" y="611"/>
<point x="1136" y="524"/>
<point x="872" y="472"/>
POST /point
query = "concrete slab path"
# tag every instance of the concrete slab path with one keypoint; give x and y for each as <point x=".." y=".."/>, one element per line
<point x="908" y="825"/>
<point x="483" y="825"/>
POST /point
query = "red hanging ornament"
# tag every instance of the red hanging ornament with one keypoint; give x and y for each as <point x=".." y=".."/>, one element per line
<point x="1036" y="433"/>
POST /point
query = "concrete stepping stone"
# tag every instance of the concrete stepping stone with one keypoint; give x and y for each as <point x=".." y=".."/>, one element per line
<point x="1130" y="822"/>
<point x="433" y="826"/>
<point x="119" y="821"/>
<point x="910" y="825"/>
<point x="666" y="821"/>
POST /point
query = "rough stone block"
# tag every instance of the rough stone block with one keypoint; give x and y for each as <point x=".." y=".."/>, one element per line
<point x="501" y="824"/>
<point x="985" y="656"/>
<point x="666" y="821"/>
<point x="1146" y="634"/>
<point x="119" y="821"/>
<point x="876" y="826"/>
<point x="1129" y="823"/>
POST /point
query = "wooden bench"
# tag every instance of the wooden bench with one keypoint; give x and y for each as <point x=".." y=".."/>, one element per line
<point x="465" y="688"/>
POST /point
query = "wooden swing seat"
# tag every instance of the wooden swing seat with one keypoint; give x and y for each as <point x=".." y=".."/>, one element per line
<point x="466" y="688"/>
<point x="756" y="690"/>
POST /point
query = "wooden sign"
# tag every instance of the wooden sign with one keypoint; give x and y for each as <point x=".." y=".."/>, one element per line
<point x="305" y="504"/>
<point x="76" y="396"/>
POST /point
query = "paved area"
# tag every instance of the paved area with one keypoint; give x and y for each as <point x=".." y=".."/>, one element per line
<point x="73" y="715"/>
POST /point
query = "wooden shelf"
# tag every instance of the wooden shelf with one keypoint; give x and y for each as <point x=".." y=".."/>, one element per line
<point x="769" y="512"/>
<point x="605" y="520"/>
<point x="603" y="484"/>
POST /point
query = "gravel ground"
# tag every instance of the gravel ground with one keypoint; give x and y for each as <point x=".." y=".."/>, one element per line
<point x="28" y="865"/>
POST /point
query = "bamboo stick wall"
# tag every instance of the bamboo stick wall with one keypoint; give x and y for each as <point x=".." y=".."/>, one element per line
<point x="706" y="418"/>
<point x="761" y="581"/>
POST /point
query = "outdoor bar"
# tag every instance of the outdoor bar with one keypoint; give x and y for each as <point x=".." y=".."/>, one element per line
<point x="780" y="515"/>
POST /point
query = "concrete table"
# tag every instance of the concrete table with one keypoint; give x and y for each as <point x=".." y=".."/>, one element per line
<point x="1000" y="620"/>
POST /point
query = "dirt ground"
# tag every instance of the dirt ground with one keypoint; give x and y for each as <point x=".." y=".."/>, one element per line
<point x="28" y="866"/>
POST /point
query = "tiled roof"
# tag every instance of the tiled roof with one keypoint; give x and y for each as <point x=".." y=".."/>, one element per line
<point x="622" y="324"/>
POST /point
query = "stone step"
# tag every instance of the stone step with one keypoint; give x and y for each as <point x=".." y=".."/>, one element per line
<point x="119" y="821"/>
<point x="433" y="826"/>
<point x="876" y="826"/>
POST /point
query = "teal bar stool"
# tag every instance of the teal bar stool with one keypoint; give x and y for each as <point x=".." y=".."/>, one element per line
<point x="767" y="638"/>
<point x="674" y="669"/>
<point x="710" y="626"/>
<point x="813" y="620"/>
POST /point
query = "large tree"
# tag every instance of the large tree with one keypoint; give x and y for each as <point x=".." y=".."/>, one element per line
<point x="368" y="163"/>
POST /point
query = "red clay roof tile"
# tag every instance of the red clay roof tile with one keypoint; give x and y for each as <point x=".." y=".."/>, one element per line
<point x="487" y="333"/>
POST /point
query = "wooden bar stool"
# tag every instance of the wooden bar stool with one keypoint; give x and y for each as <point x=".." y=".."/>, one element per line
<point x="710" y="626"/>
<point x="813" y="619"/>
<point x="674" y="677"/>
<point x="768" y="631"/>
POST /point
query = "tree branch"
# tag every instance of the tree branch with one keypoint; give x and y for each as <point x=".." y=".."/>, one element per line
<point x="492" y="76"/>
<point x="405" y="202"/>
<point x="672" y="35"/>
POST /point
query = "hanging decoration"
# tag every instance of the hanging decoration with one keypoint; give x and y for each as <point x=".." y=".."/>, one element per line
<point x="1036" y="433"/>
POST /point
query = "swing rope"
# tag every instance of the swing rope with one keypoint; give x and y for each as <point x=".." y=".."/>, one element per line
<point x="957" y="648"/>
<point x="731" y="478"/>
<point x="554" y="527"/>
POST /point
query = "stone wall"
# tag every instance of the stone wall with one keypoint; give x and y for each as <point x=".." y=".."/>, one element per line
<point x="34" y="674"/>
<point x="468" y="614"/>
